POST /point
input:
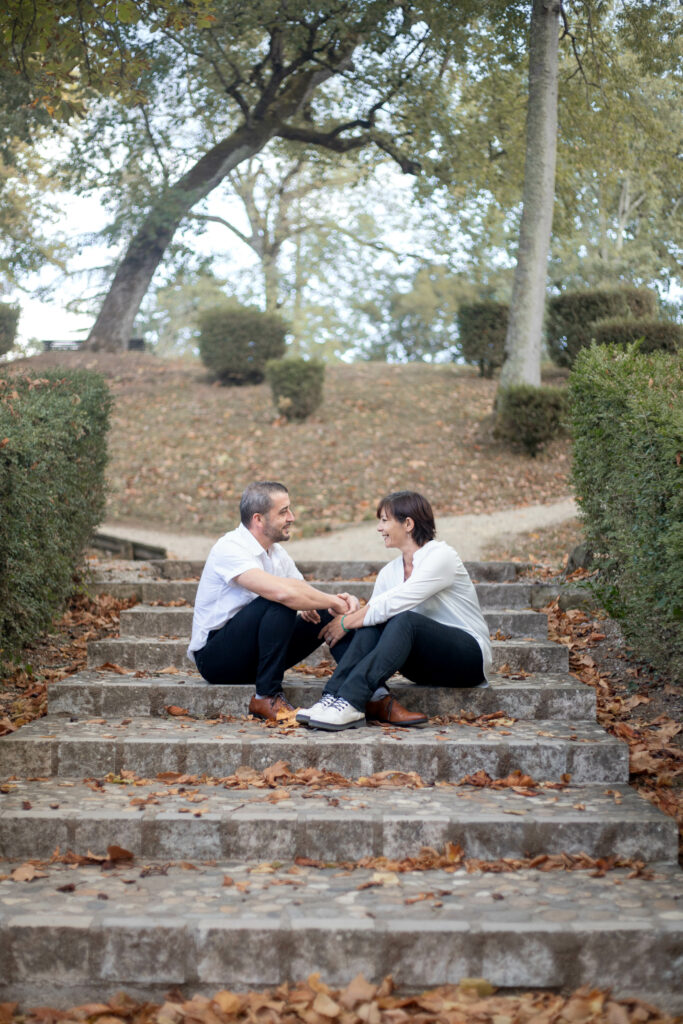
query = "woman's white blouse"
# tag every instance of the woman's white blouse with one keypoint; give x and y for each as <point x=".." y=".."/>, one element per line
<point x="438" y="587"/>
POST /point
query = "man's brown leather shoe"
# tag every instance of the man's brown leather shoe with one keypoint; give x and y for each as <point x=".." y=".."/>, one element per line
<point x="268" y="707"/>
<point x="387" y="709"/>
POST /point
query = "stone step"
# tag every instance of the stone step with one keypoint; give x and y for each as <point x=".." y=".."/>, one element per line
<point x="157" y="821"/>
<point x="145" y="620"/>
<point x="178" y="569"/>
<point x="93" y="694"/>
<point x="153" y="655"/>
<point x="544" y="749"/>
<point x="147" y="931"/>
<point x="491" y="595"/>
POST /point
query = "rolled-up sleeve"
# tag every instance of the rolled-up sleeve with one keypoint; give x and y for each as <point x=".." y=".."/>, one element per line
<point x="435" y="571"/>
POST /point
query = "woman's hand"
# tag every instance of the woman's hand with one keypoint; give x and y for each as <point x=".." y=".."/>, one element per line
<point x="334" y="631"/>
<point x="351" y="600"/>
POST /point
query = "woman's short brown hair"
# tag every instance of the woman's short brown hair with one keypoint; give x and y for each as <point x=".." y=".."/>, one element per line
<point x="403" y="504"/>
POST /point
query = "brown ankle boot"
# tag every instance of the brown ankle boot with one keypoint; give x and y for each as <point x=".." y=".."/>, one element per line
<point x="387" y="709"/>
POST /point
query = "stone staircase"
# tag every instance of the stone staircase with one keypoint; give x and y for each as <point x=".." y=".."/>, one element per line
<point x="214" y="897"/>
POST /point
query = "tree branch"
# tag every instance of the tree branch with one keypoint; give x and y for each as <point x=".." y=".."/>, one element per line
<point x="331" y="140"/>
<point x="152" y="142"/>
<point x="214" y="218"/>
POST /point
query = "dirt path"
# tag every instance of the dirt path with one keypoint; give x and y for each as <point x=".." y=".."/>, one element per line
<point x="468" y="534"/>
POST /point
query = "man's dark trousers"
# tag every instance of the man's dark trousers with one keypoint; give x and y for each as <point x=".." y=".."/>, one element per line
<point x="258" y="644"/>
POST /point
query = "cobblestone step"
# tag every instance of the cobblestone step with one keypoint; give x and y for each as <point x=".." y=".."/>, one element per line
<point x="156" y="821"/>
<point x="146" y="932"/>
<point x="174" y="569"/>
<point x="151" y="655"/>
<point x="145" y="620"/>
<point x="147" y="589"/>
<point x="146" y="746"/>
<point x="93" y="693"/>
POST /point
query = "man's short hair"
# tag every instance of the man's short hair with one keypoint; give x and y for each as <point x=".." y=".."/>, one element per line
<point x="258" y="497"/>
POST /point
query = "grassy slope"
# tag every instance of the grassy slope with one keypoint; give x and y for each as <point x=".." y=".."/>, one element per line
<point x="182" y="449"/>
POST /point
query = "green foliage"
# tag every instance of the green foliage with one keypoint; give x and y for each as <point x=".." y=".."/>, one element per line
<point x="531" y="416"/>
<point x="628" y="437"/>
<point x="52" y="458"/>
<point x="653" y="335"/>
<point x="482" y="327"/>
<point x="297" y="386"/>
<point x="571" y="317"/>
<point x="236" y="342"/>
<point x="9" y="319"/>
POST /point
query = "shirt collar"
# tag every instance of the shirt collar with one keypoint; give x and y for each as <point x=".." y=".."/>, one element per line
<point x="251" y="543"/>
<point x="419" y="554"/>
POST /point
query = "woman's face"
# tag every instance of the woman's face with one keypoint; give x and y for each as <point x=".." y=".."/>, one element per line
<point x="393" y="531"/>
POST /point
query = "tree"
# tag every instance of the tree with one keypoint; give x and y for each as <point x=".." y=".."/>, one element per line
<point x="525" y="326"/>
<point x="270" y="64"/>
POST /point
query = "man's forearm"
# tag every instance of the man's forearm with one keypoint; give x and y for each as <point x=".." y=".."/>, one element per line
<point x="301" y="596"/>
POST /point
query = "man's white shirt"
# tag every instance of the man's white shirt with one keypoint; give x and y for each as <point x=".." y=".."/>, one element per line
<point x="438" y="587"/>
<point x="219" y="598"/>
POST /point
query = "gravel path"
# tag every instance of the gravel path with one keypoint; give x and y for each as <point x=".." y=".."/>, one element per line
<point x="469" y="534"/>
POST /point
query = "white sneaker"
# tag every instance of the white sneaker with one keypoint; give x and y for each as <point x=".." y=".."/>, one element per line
<point x="336" y="716"/>
<point x="304" y="714"/>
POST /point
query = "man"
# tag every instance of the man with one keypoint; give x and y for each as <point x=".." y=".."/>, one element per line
<point x="245" y="627"/>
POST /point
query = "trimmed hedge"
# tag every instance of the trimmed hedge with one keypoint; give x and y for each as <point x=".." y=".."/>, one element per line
<point x="297" y="386"/>
<point x="9" y="321"/>
<point x="236" y="342"/>
<point x="482" y="327"/>
<point x="52" y="458"/>
<point x="571" y="317"/>
<point x="654" y="335"/>
<point x="531" y="416"/>
<point x="628" y="473"/>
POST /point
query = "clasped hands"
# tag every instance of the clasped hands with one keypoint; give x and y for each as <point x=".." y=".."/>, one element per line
<point x="333" y="630"/>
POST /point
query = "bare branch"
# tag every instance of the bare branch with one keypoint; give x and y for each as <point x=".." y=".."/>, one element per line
<point x="152" y="142"/>
<point x="214" y="218"/>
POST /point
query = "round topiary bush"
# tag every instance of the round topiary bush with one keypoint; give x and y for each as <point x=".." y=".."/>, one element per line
<point x="482" y="327"/>
<point x="530" y="416"/>
<point x="654" y="335"/>
<point x="571" y="317"/>
<point x="236" y="342"/>
<point x="297" y="386"/>
<point x="9" y="320"/>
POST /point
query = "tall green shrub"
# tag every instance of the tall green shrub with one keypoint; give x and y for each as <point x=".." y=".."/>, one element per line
<point x="571" y="317"/>
<point x="627" y="421"/>
<point x="482" y="327"/>
<point x="9" y="321"/>
<point x="531" y="416"/>
<point x="653" y="335"/>
<point x="52" y="459"/>
<point x="236" y="342"/>
<point x="297" y="386"/>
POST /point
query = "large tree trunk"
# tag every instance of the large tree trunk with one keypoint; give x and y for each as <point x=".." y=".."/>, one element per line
<point x="114" y="325"/>
<point x="523" y="341"/>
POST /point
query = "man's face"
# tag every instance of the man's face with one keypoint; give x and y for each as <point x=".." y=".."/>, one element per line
<point x="279" y="518"/>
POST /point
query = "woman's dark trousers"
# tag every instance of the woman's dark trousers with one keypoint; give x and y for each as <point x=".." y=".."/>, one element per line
<point x="424" y="651"/>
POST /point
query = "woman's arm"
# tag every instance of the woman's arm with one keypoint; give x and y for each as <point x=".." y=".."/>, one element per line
<point x="433" y="573"/>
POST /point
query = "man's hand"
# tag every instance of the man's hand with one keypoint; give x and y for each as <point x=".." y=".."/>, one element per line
<point x="311" y="615"/>
<point x="339" y="604"/>
<point x="351" y="600"/>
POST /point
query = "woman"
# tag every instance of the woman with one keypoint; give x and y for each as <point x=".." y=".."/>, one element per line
<point x="423" y="620"/>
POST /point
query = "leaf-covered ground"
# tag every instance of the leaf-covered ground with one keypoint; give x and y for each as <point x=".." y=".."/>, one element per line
<point x="182" y="448"/>
<point x="314" y="1002"/>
